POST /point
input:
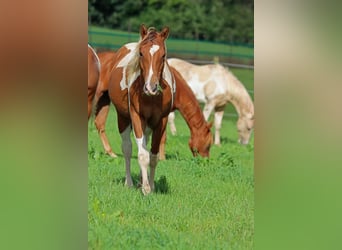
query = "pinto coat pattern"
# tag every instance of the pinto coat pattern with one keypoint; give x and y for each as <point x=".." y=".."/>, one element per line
<point x="141" y="87"/>
<point x="216" y="86"/>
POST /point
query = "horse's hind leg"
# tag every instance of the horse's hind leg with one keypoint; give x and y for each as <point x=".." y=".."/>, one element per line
<point x="101" y="113"/>
<point x="218" y="123"/>
<point x="126" y="147"/>
<point x="91" y="93"/>
<point x="171" y="122"/>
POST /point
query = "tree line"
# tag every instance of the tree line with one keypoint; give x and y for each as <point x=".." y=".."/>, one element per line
<point x="213" y="20"/>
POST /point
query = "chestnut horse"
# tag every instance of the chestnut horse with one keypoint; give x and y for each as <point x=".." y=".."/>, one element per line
<point x="216" y="86"/>
<point x="102" y="99"/>
<point x="93" y="76"/>
<point x="142" y="88"/>
<point x="185" y="101"/>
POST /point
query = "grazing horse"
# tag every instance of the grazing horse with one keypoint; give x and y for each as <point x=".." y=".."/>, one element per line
<point x="142" y="88"/>
<point x="185" y="101"/>
<point x="216" y="86"/>
<point x="93" y="76"/>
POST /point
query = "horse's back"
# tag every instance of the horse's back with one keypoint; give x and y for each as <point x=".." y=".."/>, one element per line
<point x="107" y="62"/>
<point x="93" y="68"/>
<point x="93" y="77"/>
<point x="206" y="81"/>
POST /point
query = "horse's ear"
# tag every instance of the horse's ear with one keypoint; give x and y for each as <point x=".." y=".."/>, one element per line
<point x="165" y="32"/>
<point x="143" y="31"/>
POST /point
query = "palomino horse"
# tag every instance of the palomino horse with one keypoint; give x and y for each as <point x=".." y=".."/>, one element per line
<point x="185" y="101"/>
<point x="142" y="88"/>
<point x="215" y="86"/>
<point x="93" y="76"/>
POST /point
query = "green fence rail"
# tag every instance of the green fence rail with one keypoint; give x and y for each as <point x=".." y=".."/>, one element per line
<point x="226" y="52"/>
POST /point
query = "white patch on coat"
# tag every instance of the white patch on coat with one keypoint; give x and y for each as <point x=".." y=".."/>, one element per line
<point x="124" y="62"/>
<point x="97" y="58"/>
<point x="150" y="74"/>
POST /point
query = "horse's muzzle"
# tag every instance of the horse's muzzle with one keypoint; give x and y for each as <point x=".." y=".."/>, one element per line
<point x="151" y="90"/>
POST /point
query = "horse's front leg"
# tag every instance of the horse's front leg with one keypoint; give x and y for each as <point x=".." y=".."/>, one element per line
<point x="126" y="146"/>
<point x="171" y="121"/>
<point x="218" y="122"/>
<point x="143" y="154"/>
<point x="156" y="140"/>
<point x="208" y="108"/>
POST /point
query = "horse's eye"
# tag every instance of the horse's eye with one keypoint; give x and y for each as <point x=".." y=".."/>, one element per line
<point x="163" y="56"/>
<point x="140" y="53"/>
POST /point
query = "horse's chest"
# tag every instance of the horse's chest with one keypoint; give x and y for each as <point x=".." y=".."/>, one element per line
<point x="152" y="108"/>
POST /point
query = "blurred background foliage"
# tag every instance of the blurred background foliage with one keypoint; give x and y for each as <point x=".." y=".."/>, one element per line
<point x="218" y="20"/>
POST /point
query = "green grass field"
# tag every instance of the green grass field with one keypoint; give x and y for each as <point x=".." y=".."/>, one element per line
<point x="114" y="39"/>
<point x="198" y="203"/>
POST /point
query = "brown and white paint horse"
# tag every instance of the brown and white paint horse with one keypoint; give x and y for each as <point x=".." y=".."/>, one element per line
<point x="185" y="101"/>
<point x="142" y="88"/>
<point x="93" y="77"/>
<point x="216" y="86"/>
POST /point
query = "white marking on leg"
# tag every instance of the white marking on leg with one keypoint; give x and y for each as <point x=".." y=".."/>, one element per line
<point x="171" y="121"/>
<point x="144" y="160"/>
<point x="218" y="122"/>
<point x="126" y="147"/>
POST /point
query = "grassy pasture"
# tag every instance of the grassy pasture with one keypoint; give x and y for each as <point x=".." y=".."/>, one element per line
<point x="198" y="203"/>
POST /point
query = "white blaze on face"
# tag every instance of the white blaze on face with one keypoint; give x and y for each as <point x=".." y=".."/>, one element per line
<point x="153" y="50"/>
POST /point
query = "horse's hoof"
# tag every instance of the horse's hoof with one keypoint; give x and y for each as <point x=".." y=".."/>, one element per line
<point x="146" y="189"/>
<point x="111" y="154"/>
<point x="162" y="157"/>
<point x="129" y="183"/>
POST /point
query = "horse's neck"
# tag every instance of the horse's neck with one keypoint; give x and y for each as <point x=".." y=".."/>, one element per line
<point x="189" y="109"/>
<point x="239" y="96"/>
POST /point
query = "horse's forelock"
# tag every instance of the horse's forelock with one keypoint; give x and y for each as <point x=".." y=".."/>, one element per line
<point x="151" y="29"/>
<point x="151" y="35"/>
